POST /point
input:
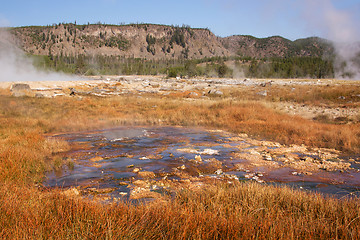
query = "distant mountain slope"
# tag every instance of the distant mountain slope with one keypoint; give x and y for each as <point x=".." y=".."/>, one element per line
<point x="152" y="41"/>
<point x="276" y="46"/>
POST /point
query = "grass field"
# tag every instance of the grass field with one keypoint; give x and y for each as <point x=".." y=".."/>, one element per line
<point x="217" y="211"/>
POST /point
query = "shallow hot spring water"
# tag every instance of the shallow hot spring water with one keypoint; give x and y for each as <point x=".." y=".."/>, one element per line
<point x="115" y="158"/>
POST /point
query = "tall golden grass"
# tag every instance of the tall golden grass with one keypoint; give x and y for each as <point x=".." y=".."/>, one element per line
<point x="219" y="211"/>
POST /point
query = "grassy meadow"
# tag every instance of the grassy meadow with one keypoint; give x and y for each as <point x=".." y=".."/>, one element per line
<point x="217" y="211"/>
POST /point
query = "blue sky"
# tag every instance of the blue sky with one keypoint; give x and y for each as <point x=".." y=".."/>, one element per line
<point x="292" y="19"/>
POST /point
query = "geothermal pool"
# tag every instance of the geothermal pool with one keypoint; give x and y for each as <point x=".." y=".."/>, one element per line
<point x="112" y="161"/>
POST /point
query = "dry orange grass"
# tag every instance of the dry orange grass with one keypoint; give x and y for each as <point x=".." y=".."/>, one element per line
<point x="217" y="211"/>
<point x="334" y="95"/>
<point x="26" y="154"/>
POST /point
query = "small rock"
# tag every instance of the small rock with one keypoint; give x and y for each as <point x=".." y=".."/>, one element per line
<point x="20" y="87"/>
<point x="234" y="177"/>
<point x="96" y="159"/>
<point x="243" y="135"/>
<point x="209" y="151"/>
<point x="262" y="93"/>
<point x="218" y="92"/>
<point x="155" y="187"/>
<point x="141" y="183"/>
<point x="193" y="94"/>
<point x="155" y="85"/>
<point x="136" y="170"/>
<point x="265" y="84"/>
<point x="267" y="157"/>
<point x="146" y="174"/>
<point x="72" y="91"/>
<point x="249" y="175"/>
<point x="215" y="92"/>
<point x="20" y="90"/>
<point x="219" y="171"/>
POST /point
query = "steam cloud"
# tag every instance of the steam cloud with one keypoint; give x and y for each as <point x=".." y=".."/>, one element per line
<point x="15" y="66"/>
<point x="340" y="26"/>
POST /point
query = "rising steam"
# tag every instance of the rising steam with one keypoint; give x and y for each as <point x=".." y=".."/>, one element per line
<point x="340" y="26"/>
<point x="15" y="66"/>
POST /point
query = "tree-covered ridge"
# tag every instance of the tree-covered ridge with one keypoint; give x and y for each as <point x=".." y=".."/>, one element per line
<point x="173" y="51"/>
<point x="277" y="46"/>
<point x="152" y="41"/>
<point x="132" y="40"/>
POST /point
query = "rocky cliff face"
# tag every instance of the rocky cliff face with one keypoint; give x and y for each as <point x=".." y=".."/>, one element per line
<point x="156" y="42"/>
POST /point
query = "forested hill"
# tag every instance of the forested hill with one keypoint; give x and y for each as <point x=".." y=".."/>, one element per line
<point x="277" y="46"/>
<point x="157" y="42"/>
